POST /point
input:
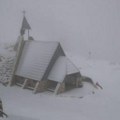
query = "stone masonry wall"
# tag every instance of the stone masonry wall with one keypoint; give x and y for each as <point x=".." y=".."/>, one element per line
<point x="42" y="86"/>
<point x="6" y="69"/>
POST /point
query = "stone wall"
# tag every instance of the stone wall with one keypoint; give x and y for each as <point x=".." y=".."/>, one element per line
<point x="79" y="81"/>
<point x="42" y="86"/>
<point x="6" y="69"/>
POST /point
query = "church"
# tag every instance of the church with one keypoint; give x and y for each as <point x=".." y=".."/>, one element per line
<point x="43" y="65"/>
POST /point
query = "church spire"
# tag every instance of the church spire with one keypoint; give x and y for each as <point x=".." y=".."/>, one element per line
<point x="25" y="25"/>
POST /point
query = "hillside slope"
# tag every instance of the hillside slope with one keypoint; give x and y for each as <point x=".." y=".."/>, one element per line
<point x="87" y="103"/>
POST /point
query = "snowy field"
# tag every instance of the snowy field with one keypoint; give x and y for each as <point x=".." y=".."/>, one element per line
<point x="87" y="103"/>
<point x="82" y="27"/>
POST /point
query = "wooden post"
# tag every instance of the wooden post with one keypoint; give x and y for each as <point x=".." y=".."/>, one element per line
<point x="57" y="89"/>
<point x="25" y="83"/>
<point x="36" y="87"/>
<point x="28" y="34"/>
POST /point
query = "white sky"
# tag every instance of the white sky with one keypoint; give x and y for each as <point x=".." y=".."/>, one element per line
<point x="80" y="25"/>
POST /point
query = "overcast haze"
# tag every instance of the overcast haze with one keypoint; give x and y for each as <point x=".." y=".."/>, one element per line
<point x="80" y="25"/>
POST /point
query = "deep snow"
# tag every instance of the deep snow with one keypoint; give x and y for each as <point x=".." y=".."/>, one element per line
<point x="87" y="103"/>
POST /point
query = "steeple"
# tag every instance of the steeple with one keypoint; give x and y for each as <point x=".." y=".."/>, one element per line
<point x="25" y="25"/>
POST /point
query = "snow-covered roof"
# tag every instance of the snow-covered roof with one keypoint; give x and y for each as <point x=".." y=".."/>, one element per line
<point x="35" y="58"/>
<point x="61" y="68"/>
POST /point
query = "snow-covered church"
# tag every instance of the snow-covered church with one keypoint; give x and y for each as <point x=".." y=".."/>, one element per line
<point x="43" y="65"/>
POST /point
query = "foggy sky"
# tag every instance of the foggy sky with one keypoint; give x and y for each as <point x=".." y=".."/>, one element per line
<point x="80" y="25"/>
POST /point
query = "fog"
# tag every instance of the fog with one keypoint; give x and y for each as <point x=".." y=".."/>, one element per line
<point x="82" y="26"/>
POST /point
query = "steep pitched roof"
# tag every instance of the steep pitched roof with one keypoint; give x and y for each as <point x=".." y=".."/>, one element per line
<point x="35" y="58"/>
<point x="25" y="24"/>
<point x="61" y="68"/>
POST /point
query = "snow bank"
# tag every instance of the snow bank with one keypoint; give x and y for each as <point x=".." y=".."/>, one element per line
<point x="87" y="103"/>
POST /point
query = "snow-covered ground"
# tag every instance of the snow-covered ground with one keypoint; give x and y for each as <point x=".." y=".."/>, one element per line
<point x="87" y="103"/>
